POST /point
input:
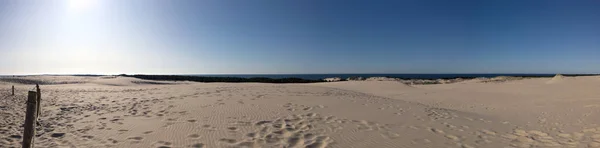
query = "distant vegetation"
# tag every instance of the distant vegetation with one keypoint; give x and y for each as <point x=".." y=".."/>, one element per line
<point x="21" y="80"/>
<point x="220" y="79"/>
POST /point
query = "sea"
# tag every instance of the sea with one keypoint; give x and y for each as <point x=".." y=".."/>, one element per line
<point x="344" y="76"/>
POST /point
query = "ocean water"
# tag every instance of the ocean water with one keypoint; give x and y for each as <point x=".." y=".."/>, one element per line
<point x="402" y="76"/>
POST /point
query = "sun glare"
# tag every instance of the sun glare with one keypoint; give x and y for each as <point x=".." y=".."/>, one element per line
<point x="80" y="5"/>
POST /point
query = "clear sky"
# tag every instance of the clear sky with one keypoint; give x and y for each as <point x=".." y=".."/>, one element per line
<point x="299" y="36"/>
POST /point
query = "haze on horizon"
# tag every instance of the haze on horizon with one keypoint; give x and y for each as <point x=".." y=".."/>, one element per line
<point x="269" y="36"/>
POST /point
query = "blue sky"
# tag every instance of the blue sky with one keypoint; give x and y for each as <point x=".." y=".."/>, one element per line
<point x="312" y="36"/>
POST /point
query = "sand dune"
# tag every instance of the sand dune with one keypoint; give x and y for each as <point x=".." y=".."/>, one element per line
<point x="556" y="79"/>
<point x="128" y="112"/>
<point x="128" y="81"/>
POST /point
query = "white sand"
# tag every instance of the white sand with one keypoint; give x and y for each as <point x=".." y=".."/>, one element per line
<point x="127" y="112"/>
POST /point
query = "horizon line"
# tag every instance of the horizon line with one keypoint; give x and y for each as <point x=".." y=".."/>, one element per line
<point x="297" y="74"/>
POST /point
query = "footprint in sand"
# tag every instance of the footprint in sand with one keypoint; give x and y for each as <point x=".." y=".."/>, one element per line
<point x="87" y="137"/>
<point x="259" y="123"/>
<point x="168" y="124"/>
<point x="293" y="131"/>
<point x="488" y="132"/>
<point x="452" y="137"/>
<point x="436" y="130"/>
<point x="390" y="135"/>
<point x="194" y="136"/>
<point x="197" y="145"/>
<point x="307" y="108"/>
<point x="232" y="128"/>
<point x="112" y="140"/>
<point x="136" y="138"/>
<point x="229" y="141"/>
<point x="164" y="142"/>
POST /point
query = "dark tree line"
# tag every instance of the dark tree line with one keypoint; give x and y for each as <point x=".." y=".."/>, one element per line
<point x="221" y="79"/>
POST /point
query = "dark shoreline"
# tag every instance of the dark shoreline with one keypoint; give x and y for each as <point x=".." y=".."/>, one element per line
<point x="521" y="76"/>
<point x="221" y="79"/>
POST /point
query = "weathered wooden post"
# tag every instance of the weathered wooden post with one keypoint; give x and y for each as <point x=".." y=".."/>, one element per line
<point x="30" y="117"/>
<point x="13" y="90"/>
<point x="39" y="100"/>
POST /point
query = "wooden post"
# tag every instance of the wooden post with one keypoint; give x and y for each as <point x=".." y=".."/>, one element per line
<point x="30" y="117"/>
<point x="39" y="101"/>
<point x="13" y="90"/>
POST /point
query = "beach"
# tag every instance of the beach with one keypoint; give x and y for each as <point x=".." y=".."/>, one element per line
<point x="115" y="111"/>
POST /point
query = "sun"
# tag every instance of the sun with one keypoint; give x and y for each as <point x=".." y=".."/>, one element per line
<point x="80" y="5"/>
